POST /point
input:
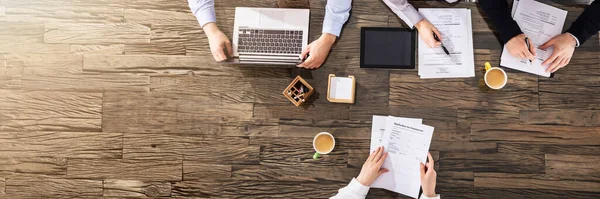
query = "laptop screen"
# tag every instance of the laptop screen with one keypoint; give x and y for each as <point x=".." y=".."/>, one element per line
<point x="392" y="48"/>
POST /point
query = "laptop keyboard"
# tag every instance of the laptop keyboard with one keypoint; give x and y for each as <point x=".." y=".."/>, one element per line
<point x="270" y="41"/>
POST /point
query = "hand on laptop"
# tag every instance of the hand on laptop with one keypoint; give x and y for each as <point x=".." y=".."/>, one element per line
<point x="564" y="46"/>
<point x="426" y="29"/>
<point x="218" y="42"/>
<point x="428" y="177"/>
<point x="517" y="47"/>
<point x="371" y="169"/>
<point x="318" y="50"/>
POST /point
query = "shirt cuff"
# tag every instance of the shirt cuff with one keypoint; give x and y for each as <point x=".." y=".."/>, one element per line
<point x="358" y="187"/>
<point x="206" y="16"/>
<point x="577" y="40"/>
<point x="425" y="197"/>
<point x="412" y="16"/>
<point x="332" y="27"/>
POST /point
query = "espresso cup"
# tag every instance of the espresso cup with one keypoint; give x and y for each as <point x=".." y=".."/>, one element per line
<point x="323" y="143"/>
<point x="494" y="77"/>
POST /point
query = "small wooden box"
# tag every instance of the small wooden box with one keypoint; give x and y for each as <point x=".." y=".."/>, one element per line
<point x="298" y="91"/>
<point x="349" y="89"/>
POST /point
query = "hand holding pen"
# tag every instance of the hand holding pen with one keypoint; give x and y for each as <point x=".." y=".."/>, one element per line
<point x="443" y="47"/>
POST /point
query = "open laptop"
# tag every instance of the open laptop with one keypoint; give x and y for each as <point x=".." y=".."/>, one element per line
<point x="272" y="36"/>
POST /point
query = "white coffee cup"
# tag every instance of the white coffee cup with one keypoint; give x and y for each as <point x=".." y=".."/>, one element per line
<point x="325" y="140"/>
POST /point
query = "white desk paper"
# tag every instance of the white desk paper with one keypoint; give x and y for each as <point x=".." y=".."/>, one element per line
<point x="457" y="36"/>
<point x="539" y="22"/>
<point x="341" y="88"/>
<point x="407" y="143"/>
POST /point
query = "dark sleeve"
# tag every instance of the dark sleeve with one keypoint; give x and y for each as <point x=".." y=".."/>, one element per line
<point x="587" y="24"/>
<point x="498" y="13"/>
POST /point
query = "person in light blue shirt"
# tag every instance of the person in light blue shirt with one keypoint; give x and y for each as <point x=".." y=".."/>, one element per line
<point x="336" y="15"/>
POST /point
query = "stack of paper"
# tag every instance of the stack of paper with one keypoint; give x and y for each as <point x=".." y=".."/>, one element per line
<point x="407" y="142"/>
<point x="457" y="36"/>
<point x="539" y="22"/>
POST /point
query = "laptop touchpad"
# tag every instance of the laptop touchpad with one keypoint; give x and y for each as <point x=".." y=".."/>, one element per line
<point x="271" y="18"/>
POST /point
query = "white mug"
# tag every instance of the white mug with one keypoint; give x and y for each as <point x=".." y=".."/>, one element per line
<point x="318" y="153"/>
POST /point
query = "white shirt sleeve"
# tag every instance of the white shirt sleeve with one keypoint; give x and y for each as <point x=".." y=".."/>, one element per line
<point x="577" y="40"/>
<point x="354" y="190"/>
<point x="336" y="15"/>
<point x="406" y="11"/>
<point x="204" y="10"/>
<point x="425" y="197"/>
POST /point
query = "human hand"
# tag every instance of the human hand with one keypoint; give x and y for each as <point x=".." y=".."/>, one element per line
<point x="318" y="49"/>
<point x="426" y="30"/>
<point x="564" y="46"/>
<point x="371" y="169"/>
<point x="517" y="47"/>
<point x="218" y="42"/>
<point x="428" y="177"/>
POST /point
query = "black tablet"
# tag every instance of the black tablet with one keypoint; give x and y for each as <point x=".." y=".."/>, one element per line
<point x="389" y="48"/>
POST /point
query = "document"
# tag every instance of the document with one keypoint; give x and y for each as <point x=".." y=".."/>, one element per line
<point x="539" y="22"/>
<point x="456" y="32"/>
<point x="378" y="127"/>
<point x="407" y="143"/>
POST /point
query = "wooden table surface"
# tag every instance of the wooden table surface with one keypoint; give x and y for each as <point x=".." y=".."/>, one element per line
<point x="115" y="98"/>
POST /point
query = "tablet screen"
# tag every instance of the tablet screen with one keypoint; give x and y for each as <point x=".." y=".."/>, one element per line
<point x="392" y="48"/>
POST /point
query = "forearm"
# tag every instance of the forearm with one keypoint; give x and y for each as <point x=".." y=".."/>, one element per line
<point x="354" y="190"/>
<point x="336" y="15"/>
<point x="204" y="10"/>
<point x="405" y="11"/>
<point x="587" y="24"/>
<point x="498" y="13"/>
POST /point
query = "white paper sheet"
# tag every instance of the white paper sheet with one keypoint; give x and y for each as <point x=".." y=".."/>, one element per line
<point x="341" y="88"/>
<point x="457" y="36"/>
<point x="407" y="144"/>
<point x="539" y="22"/>
<point x="378" y="127"/>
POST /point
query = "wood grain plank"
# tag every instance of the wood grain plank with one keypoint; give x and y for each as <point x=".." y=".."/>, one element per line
<point x="228" y="188"/>
<point x="86" y="82"/>
<point x="293" y="173"/>
<point x="47" y="166"/>
<point x="447" y="179"/>
<point x="478" y="192"/>
<point x="30" y="44"/>
<point x="491" y="162"/>
<point x="36" y="110"/>
<point x="199" y="170"/>
<point x="150" y="170"/>
<point x="215" y="150"/>
<point x="90" y="33"/>
<point x="135" y="188"/>
<point x="573" y="166"/>
<point x="111" y="49"/>
<point x="538" y="134"/>
<point x="289" y="111"/>
<point x="252" y="127"/>
<point x="561" y="117"/>
<point x="338" y="128"/>
<point x="520" y="92"/>
<point x="154" y="49"/>
<point x="153" y="113"/>
<point x="55" y="12"/>
<point x="18" y="28"/>
<point x="2" y="186"/>
<point x="36" y="186"/>
<point x="528" y="148"/>
<point x="295" y="152"/>
<point x="61" y="144"/>
<point x="150" y="16"/>
<point x="2" y="13"/>
<point x="45" y="64"/>
<point x="532" y="181"/>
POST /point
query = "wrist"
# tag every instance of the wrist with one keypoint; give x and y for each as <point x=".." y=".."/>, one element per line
<point x="429" y="194"/>
<point x="210" y="28"/>
<point x="328" y="38"/>
<point x="419" y="24"/>
<point x="361" y="180"/>
<point x="572" y="40"/>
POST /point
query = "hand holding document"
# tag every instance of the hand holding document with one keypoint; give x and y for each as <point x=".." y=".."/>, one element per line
<point x="454" y="59"/>
<point x="539" y="22"/>
<point x="407" y="142"/>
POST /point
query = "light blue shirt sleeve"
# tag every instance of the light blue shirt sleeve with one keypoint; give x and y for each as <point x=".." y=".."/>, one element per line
<point x="336" y="15"/>
<point x="204" y="10"/>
